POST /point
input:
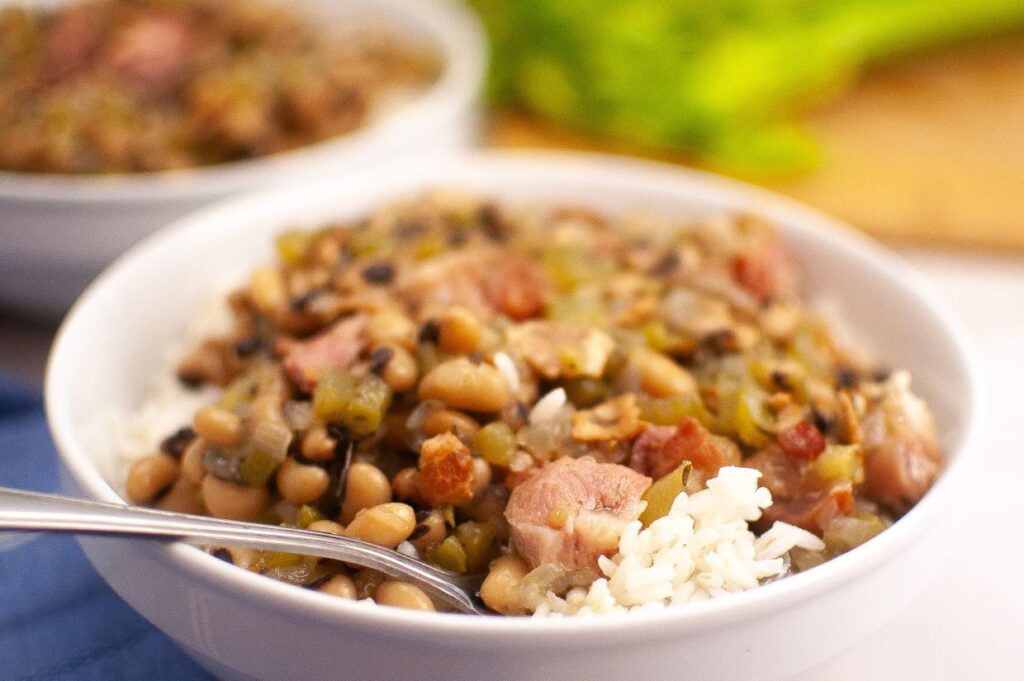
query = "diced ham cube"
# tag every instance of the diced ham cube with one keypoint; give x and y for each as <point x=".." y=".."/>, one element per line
<point x="445" y="471"/>
<point x="901" y="449"/>
<point x="152" y="53"/>
<point x="515" y="288"/>
<point x="573" y="511"/>
<point x="338" y="346"/>
<point x="661" y="449"/>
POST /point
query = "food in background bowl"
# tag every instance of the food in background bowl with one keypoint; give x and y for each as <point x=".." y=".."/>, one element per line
<point x="604" y="413"/>
<point x="118" y="86"/>
<point x="42" y="270"/>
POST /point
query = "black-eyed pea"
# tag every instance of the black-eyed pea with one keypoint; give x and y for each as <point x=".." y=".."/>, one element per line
<point x="300" y="483"/>
<point x="341" y="586"/>
<point x="403" y="485"/>
<point x="401" y="371"/>
<point x="391" y="326"/>
<point x="366" y="582"/>
<point x="386" y="525"/>
<point x="437" y="421"/>
<point x="225" y="499"/>
<point x="243" y="558"/>
<point x="328" y="526"/>
<point x="500" y="589"/>
<point x="268" y="291"/>
<point x="490" y="340"/>
<point x="192" y="467"/>
<point x="461" y="384"/>
<point x="660" y="375"/>
<point x="182" y="497"/>
<point x="365" y="486"/>
<point x="149" y="476"/>
<point x="459" y="331"/>
<point x="317" y="445"/>
<point x="401" y="595"/>
<point x="218" y="426"/>
<point x="430" y="529"/>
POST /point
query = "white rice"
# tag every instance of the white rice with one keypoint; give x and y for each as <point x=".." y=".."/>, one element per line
<point x="167" y="405"/>
<point x="548" y="406"/>
<point x="507" y="367"/>
<point x="702" y="549"/>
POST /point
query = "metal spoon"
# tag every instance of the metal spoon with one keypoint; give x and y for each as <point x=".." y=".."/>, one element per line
<point x="35" y="512"/>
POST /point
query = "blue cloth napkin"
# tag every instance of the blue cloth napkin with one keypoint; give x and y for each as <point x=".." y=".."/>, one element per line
<point x="58" y="618"/>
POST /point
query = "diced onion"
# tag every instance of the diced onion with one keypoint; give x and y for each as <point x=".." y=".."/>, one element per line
<point x="271" y="437"/>
<point x="298" y="414"/>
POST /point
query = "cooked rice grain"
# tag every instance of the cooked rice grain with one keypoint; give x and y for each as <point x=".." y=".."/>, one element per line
<point x="702" y="549"/>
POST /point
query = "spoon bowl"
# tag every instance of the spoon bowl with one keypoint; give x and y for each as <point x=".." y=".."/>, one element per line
<point x="34" y="511"/>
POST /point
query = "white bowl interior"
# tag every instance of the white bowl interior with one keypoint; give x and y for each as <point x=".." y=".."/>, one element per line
<point x="118" y="332"/>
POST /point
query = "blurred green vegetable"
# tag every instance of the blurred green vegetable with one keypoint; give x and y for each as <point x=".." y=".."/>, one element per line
<point x="719" y="78"/>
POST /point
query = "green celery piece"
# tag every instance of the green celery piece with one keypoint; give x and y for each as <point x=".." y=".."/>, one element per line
<point x="724" y="79"/>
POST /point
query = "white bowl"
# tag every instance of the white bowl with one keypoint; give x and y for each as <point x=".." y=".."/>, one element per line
<point x="58" y="231"/>
<point x="241" y="625"/>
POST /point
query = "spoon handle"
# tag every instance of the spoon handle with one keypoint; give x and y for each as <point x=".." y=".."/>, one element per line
<point x="34" y="512"/>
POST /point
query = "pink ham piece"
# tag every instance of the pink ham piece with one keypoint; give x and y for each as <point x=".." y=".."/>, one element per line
<point x="767" y="270"/>
<point x="573" y="511"/>
<point x="660" y="449"/>
<point x="152" y="53"/>
<point x="901" y="449"/>
<point x="338" y="346"/>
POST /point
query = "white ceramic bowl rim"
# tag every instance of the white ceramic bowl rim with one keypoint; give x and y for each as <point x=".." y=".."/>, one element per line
<point x="447" y="24"/>
<point x="601" y="171"/>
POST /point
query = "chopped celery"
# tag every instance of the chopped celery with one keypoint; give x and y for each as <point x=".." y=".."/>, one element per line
<point x="748" y="417"/>
<point x="671" y="410"/>
<point x="279" y="559"/>
<point x="660" y="338"/>
<point x="581" y="310"/>
<point x="365" y="409"/>
<point x="292" y="247"/>
<point x="367" y="243"/>
<point x="570" y="267"/>
<point x="307" y="515"/>
<point x="449" y="555"/>
<point x="477" y="541"/>
<point x="241" y="391"/>
<point x="660" y="495"/>
<point x="429" y="246"/>
<point x="495" y="443"/>
<point x="333" y="392"/>
<point x="840" y="462"/>
<point x="845" y="533"/>
<point x="257" y="468"/>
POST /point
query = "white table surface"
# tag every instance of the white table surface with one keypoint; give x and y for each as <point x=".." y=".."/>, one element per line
<point x="969" y="622"/>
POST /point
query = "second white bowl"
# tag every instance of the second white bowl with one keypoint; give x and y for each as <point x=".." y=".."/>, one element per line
<point x="59" y="231"/>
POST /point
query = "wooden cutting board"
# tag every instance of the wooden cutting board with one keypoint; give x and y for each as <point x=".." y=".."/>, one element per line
<point x="929" y="150"/>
